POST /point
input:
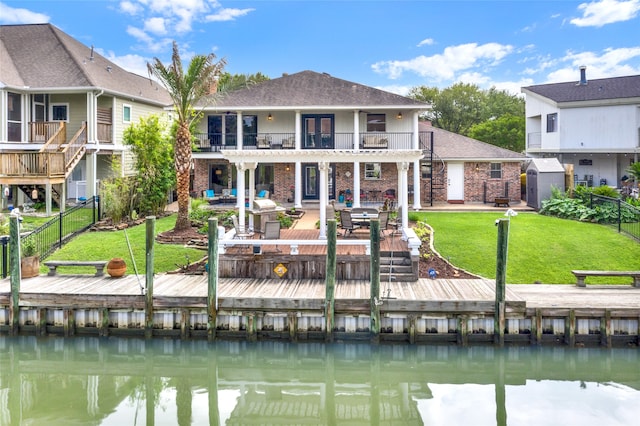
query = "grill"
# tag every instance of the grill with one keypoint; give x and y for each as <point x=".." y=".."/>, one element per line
<point x="264" y="210"/>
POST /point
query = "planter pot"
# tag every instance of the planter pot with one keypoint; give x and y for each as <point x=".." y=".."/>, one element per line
<point x="349" y="204"/>
<point x="116" y="267"/>
<point x="29" y="267"/>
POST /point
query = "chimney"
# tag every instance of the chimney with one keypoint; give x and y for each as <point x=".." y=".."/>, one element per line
<point x="583" y="75"/>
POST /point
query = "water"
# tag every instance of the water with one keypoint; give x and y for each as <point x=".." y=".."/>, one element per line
<point x="126" y="381"/>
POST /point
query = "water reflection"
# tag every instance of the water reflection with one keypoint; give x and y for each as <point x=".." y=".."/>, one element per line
<point x="116" y="381"/>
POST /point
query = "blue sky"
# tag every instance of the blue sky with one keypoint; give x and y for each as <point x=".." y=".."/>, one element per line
<point x="392" y="45"/>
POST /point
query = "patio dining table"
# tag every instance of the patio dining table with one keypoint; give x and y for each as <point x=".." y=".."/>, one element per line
<point x="363" y="218"/>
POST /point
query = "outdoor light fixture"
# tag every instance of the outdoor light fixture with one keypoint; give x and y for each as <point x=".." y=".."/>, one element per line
<point x="399" y="116"/>
<point x="477" y="167"/>
<point x="269" y="117"/>
<point x="287" y="168"/>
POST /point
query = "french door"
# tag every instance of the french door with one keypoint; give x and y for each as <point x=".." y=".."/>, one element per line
<point x="318" y="131"/>
<point x="311" y="182"/>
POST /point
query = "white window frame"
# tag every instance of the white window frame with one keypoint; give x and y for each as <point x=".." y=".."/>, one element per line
<point x="496" y="170"/>
<point x="58" y="104"/>
<point x="372" y="171"/>
<point x="124" y="108"/>
<point x="376" y="126"/>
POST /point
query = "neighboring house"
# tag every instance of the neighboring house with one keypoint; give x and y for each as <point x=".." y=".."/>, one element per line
<point x="590" y="126"/>
<point x="63" y="110"/>
<point x="465" y="170"/>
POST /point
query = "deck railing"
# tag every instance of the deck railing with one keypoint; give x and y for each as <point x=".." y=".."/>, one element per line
<point x="215" y="142"/>
<point x="42" y="131"/>
<point x="105" y="132"/>
<point x="32" y="164"/>
<point x="618" y="214"/>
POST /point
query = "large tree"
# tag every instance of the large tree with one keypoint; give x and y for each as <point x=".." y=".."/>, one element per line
<point x="186" y="90"/>
<point x="461" y="107"/>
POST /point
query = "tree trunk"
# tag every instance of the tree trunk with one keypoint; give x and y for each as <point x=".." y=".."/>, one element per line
<point x="183" y="167"/>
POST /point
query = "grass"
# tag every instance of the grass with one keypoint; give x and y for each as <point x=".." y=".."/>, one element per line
<point x="107" y="245"/>
<point x="541" y="248"/>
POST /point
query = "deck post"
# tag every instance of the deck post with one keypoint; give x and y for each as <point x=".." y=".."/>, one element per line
<point x="14" y="249"/>
<point x="148" y="308"/>
<point x="212" y="279"/>
<point x="570" y="328"/>
<point x="605" y="329"/>
<point x="329" y="300"/>
<point x="501" y="275"/>
<point x="375" y="302"/>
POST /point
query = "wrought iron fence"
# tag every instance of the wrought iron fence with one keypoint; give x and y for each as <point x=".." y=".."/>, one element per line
<point x="615" y="212"/>
<point x="57" y="231"/>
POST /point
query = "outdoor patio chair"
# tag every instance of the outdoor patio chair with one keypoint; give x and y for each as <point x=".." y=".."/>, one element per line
<point x="241" y="232"/>
<point x="272" y="231"/>
<point x="346" y="223"/>
<point x="383" y="217"/>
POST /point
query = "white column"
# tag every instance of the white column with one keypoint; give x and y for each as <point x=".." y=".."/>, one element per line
<point x="323" y="167"/>
<point x="63" y="196"/>
<point x="356" y="184"/>
<point x="26" y="114"/>
<point x="239" y="133"/>
<point x="240" y="168"/>
<point x="298" y="169"/>
<point x="92" y="173"/>
<point x="47" y="198"/>
<point x="403" y="168"/>
<point x="356" y="130"/>
<point x="252" y="185"/>
<point x="416" y="186"/>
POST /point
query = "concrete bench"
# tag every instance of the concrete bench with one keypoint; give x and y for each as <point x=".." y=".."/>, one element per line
<point x="501" y="201"/>
<point x="54" y="264"/>
<point x="581" y="275"/>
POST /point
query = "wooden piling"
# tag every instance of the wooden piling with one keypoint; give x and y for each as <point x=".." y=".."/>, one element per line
<point x="570" y="328"/>
<point x="501" y="276"/>
<point x="14" y="249"/>
<point x="150" y="237"/>
<point x="374" y="296"/>
<point x="605" y="329"/>
<point x="212" y="280"/>
<point x="329" y="300"/>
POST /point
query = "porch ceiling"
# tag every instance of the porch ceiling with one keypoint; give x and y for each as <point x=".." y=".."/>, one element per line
<point x="318" y="155"/>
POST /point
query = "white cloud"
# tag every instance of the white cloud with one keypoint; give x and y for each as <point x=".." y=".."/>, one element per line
<point x="12" y="16"/>
<point x="149" y="43"/>
<point x="447" y="65"/>
<point x="133" y="63"/>
<point x="130" y="8"/>
<point x="599" y="13"/>
<point x="609" y="63"/>
<point x="426" y="42"/>
<point x="227" y="15"/>
<point x="397" y="89"/>
<point x="156" y="26"/>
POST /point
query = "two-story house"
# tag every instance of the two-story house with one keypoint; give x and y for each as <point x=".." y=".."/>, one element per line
<point x="590" y="126"/>
<point x="63" y="110"/>
<point x="312" y="137"/>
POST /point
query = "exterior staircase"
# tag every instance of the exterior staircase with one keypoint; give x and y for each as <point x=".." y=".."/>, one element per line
<point x="397" y="267"/>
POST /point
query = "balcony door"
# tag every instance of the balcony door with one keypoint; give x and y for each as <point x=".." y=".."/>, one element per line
<point x="318" y="131"/>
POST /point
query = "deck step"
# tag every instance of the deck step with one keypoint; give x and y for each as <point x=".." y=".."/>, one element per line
<point x="400" y="269"/>
<point x="398" y="277"/>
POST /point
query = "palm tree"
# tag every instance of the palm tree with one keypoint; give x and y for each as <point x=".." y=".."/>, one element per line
<point x="186" y="90"/>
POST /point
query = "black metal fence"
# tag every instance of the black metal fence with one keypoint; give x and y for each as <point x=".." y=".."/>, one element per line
<point x="617" y="213"/>
<point x="57" y="231"/>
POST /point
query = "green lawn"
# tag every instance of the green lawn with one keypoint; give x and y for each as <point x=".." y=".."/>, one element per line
<point x="541" y="248"/>
<point x="107" y="245"/>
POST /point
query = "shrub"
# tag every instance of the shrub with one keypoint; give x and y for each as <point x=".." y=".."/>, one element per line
<point x="28" y="247"/>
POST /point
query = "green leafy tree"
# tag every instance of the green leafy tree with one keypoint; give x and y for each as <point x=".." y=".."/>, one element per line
<point x="461" y="107"/>
<point x="152" y="147"/>
<point x="186" y="89"/>
<point x="506" y="131"/>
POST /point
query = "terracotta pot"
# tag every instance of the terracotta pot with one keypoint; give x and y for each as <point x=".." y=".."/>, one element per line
<point x="29" y="267"/>
<point x="116" y="267"/>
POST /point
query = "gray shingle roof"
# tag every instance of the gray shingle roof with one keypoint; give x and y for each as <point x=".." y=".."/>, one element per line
<point x="600" y="89"/>
<point x="309" y="89"/>
<point x="40" y="56"/>
<point x="452" y="146"/>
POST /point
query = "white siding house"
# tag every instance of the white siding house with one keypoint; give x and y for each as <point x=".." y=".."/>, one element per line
<point x="591" y="125"/>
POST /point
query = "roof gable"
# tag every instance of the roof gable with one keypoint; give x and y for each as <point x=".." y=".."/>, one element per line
<point x="309" y="89"/>
<point x="448" y="145"/>
<point x="593" y="90"/>
<point x="44" y="57"/>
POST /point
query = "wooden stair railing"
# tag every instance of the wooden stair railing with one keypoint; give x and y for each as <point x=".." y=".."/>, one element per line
<point x="56" y="140"/>
<point x="75" y="149"/>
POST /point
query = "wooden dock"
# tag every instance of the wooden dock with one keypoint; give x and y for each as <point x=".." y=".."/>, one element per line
<point x="426" y="311"/>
